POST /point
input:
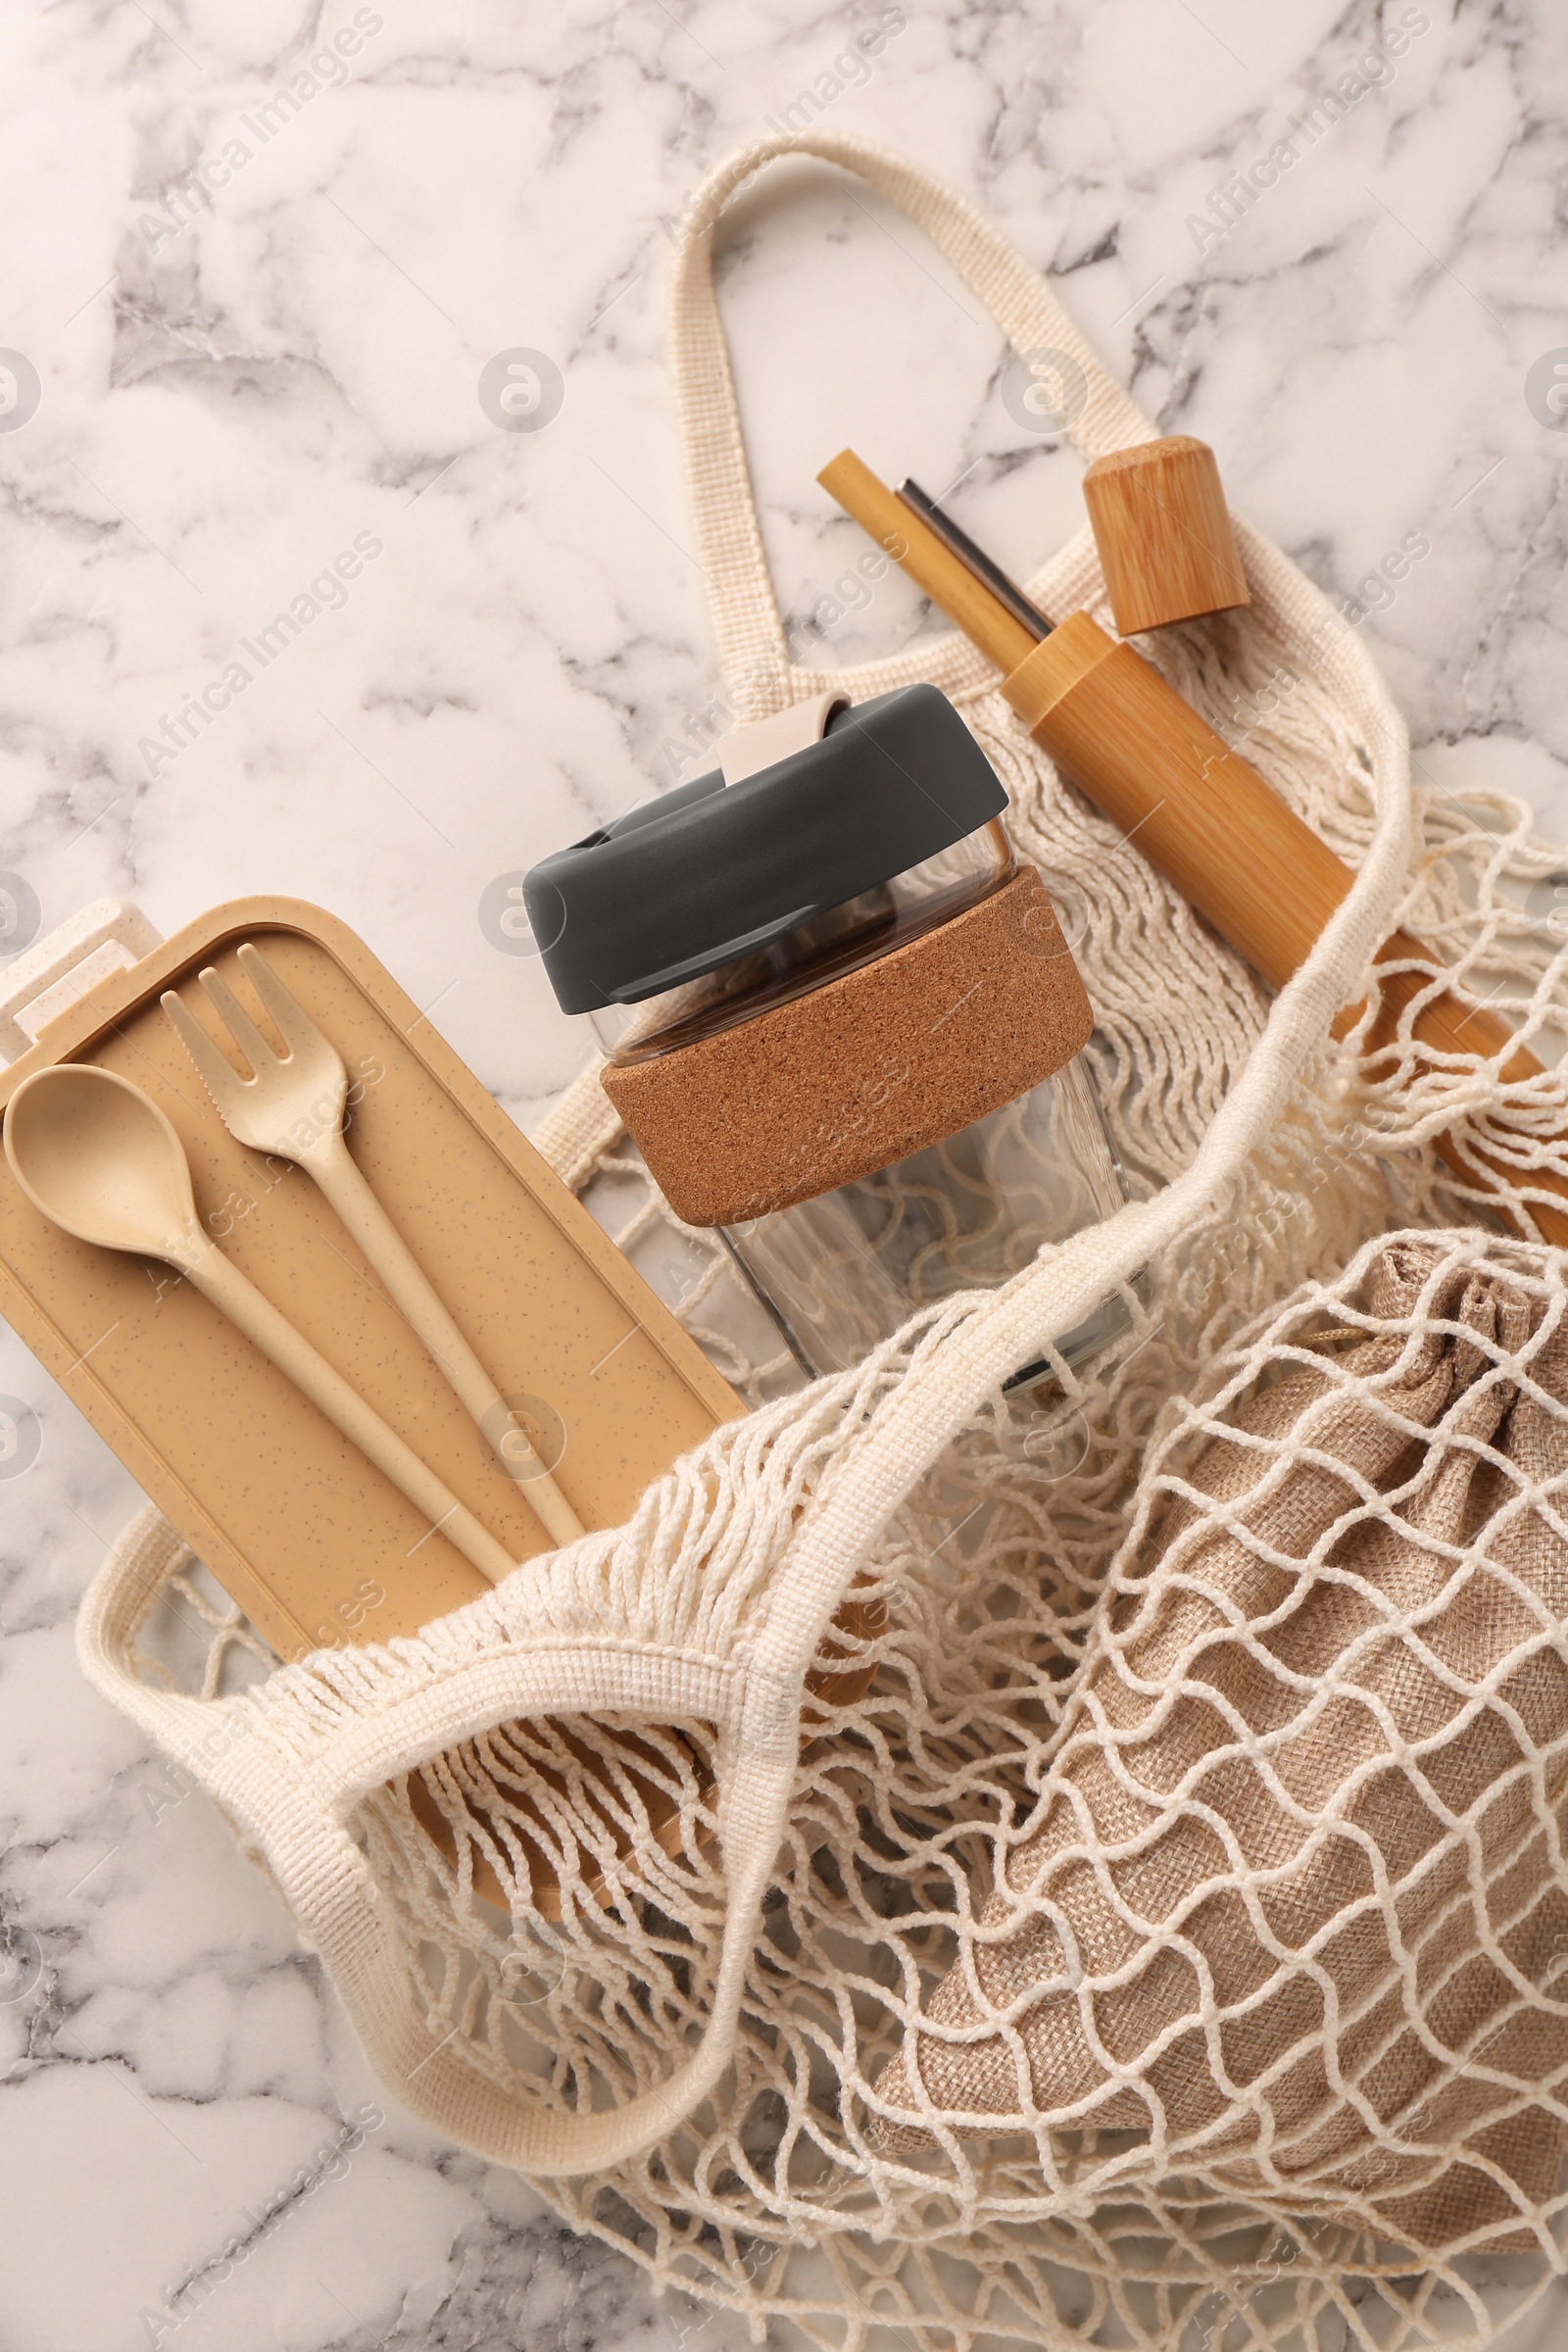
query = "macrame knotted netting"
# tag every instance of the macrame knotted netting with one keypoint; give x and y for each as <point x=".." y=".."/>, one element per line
<point x="1290" y="1902"/>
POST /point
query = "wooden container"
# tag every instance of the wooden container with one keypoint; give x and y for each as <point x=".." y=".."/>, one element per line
<point x="1164" y="536"/>
<point x="1204" y="816"/>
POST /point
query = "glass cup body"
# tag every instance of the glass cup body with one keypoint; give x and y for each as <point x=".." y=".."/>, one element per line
<point x="844" y="1271"/>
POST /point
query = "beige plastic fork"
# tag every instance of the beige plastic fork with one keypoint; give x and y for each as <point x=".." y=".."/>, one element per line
<point x="293" y="1107"/>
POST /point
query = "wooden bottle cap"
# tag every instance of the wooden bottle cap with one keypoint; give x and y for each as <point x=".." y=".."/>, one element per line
<point x="1164" y="532"/>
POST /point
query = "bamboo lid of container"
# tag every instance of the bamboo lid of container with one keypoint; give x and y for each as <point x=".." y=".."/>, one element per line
<point x="1163" y="531"/>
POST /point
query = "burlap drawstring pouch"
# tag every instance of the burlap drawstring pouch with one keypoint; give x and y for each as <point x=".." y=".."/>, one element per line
<point x="1291" y="1895"/>
<point x="698" y="2059"/>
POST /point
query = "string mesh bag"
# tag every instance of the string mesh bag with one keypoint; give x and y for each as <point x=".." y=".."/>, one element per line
<point x="936" y="1876"/>
<point x="1292" y="1877"/>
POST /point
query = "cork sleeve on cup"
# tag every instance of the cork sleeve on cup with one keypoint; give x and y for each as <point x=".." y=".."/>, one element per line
<point x="863" y="1071"/>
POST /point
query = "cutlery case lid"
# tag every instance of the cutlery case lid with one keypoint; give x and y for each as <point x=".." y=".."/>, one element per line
<point x="311" y="1539"/>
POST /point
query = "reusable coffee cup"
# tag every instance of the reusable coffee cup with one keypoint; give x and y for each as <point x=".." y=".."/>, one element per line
<point x="843" y="1026"/>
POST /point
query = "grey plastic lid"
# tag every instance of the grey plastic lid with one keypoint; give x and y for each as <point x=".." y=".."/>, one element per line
<point x="705" y="873"/>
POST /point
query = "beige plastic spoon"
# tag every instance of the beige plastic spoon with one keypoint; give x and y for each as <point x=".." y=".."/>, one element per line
<point x="97" y="1156"/>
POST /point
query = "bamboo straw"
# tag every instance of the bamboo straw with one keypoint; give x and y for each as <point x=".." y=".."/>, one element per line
<point x="929" y="563"/>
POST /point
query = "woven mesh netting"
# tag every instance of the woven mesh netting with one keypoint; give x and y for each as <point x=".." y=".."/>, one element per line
<point x="1186" y="1960"/>
<point x="1170" y="1946"/>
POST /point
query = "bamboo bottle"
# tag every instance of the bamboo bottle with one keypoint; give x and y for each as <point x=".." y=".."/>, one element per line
<point x="1204" y="816"/>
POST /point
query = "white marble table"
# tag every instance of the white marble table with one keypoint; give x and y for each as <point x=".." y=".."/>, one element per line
<point x="233" y="387"/>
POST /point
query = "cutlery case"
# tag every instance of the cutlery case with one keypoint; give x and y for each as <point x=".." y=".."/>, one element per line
<point x="314" y="1543"/>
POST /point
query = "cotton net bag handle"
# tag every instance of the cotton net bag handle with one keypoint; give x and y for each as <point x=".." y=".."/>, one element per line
<point x="295" y="1795"/>
<point x="754" y="657"/>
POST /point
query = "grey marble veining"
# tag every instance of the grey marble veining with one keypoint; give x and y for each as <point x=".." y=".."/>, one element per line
<point x="258" y="307"/>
